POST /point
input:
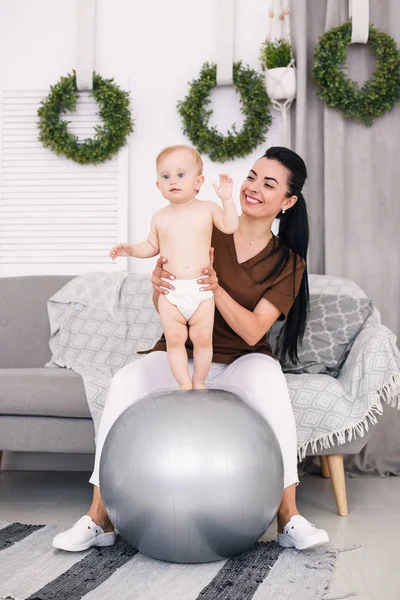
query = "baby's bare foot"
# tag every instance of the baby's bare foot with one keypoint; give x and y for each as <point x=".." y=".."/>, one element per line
<point x="186" y="386"/>
<point x="199" y="385"/>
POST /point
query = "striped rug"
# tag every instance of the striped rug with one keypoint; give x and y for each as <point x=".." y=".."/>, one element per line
<point x="30" y="568"/>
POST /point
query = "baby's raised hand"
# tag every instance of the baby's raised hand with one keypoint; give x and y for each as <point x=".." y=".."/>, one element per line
<point x="224" y="190"/>
<point x="121" y="250"/>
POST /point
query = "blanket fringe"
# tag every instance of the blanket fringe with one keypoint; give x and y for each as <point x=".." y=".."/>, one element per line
<point x="389" y="393"/>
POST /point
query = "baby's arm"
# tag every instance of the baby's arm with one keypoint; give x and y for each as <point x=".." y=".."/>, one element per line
<point x="226" y="219"/>
<point x="146" y="249"/>
<point x="150" y="247"/>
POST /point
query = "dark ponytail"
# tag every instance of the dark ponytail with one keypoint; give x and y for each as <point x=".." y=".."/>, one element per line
<point x="293" y="235"/>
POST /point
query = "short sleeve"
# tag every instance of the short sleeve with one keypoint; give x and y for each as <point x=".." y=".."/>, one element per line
<point x="284" y="289"/>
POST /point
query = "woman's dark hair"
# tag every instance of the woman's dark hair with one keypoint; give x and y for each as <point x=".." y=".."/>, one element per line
<point x="293" y="236"/>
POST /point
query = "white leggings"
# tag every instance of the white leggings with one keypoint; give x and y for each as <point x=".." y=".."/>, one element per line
<point x="256" y="378"/>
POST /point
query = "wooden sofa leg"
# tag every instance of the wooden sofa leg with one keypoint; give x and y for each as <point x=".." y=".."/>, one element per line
<point x="324" y="467"/>
<point x="336" y="470"/>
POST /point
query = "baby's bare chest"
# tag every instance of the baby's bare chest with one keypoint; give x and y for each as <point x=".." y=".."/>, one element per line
<point x="181" y="224"/>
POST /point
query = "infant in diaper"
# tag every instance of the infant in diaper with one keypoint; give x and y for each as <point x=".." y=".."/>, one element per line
<point x="181" y="231"/>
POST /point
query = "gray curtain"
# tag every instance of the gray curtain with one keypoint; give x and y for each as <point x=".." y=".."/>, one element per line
<point x="352" y="191"/>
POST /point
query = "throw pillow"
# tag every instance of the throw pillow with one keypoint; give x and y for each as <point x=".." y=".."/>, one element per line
<point x="331" y="329"/>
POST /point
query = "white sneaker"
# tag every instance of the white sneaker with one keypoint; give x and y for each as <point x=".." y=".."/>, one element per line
<point x="84" y="534"/>
<point x="301" y="534"/>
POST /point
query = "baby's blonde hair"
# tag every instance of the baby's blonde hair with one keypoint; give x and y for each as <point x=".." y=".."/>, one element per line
<point x="170" y="149"/>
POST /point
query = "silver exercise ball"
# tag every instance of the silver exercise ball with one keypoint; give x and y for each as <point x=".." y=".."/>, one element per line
<point x="192" y="476"/>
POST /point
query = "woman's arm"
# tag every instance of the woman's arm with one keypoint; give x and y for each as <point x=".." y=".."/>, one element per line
<point x="156" y="296"/>
<point x="250" y="325"/>
<point x="160" y="286"/>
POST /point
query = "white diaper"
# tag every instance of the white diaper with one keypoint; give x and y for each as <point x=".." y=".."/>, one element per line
<point x="187" y="296"/>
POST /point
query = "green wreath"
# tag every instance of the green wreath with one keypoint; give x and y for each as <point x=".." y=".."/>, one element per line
<point x="378" y="95"/>
<point x="108" y="139"/>
<point x="195" y="115"/>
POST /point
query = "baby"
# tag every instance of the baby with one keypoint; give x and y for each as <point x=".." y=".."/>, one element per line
<point x="182" y="232"/>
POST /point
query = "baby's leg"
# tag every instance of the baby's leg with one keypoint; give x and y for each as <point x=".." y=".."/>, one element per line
<point x="200" y="332"/>
<point x="176" y="332"/>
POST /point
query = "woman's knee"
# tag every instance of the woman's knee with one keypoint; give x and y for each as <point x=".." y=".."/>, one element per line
<point x="124" y="376"/>
<point x="260" y="373"/>
<point x="139" y="375"/>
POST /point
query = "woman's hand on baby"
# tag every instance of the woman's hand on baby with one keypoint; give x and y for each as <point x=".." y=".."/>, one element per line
<point x="210" y="282"/>
<point x="225" y="188"/>
<point x="121" y="250"/>
<point x="158" y="276"/>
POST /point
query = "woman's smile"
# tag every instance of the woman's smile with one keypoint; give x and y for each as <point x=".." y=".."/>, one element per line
<point x="251" y="200"/>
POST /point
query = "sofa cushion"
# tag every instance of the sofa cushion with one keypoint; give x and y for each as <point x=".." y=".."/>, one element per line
<point x="41" y="391"/>
<point x="338" y="311"/>
<point x="24" y="323"/>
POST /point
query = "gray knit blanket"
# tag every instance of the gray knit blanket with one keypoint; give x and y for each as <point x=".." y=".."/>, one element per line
<point x="99" y="321"/>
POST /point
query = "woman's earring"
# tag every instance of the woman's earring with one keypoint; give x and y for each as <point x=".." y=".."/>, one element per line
<point x="283" y="212"/>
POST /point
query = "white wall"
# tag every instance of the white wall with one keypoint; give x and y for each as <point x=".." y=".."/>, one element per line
<point x="153" y="48"/>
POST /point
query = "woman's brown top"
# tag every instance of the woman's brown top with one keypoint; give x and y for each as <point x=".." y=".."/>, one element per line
<point x="239" y="280"/>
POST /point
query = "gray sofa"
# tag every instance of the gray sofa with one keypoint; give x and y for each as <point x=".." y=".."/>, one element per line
<point x="45" y="410"/>
<point x="41" y="409"/>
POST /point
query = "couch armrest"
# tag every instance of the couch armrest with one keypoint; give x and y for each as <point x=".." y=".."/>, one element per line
<point x="372" y="367"/>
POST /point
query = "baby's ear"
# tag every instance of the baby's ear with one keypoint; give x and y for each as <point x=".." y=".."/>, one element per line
<point x="200" y="181"/>
<point x="157" y="184"/>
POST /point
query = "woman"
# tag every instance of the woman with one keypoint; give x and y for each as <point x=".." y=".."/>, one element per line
<point x="256" y="278"/>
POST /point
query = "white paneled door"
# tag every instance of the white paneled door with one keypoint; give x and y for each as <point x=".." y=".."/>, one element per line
<point x="56" y="216"/>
